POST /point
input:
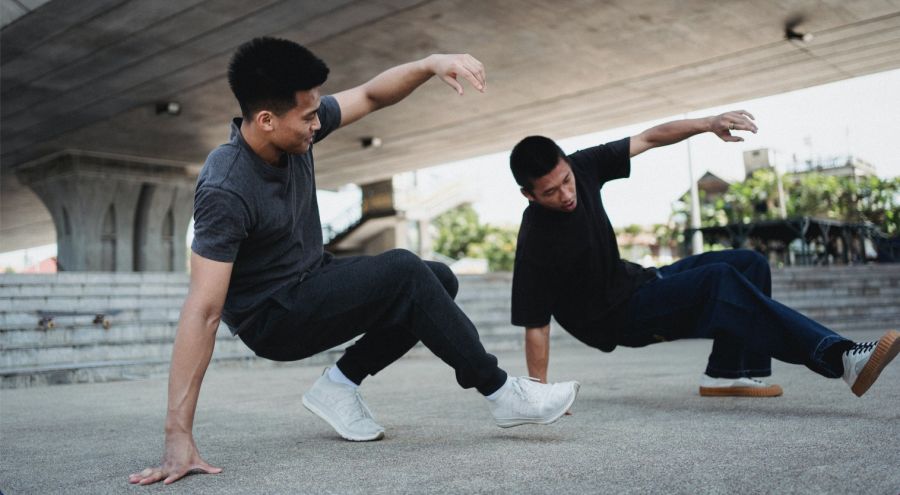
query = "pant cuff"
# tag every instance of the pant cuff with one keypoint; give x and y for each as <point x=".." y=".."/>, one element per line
<point x="745" y="373"/>
<point x="354" y="372"/>
<point x="817" y="362"/>
<point x="492" y="384"/>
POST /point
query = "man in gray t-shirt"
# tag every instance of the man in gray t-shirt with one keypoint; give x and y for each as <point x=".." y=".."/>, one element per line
<point x="259" y="266"/>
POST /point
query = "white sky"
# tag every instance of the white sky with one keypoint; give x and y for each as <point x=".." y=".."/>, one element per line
<point x="859" y="116"/>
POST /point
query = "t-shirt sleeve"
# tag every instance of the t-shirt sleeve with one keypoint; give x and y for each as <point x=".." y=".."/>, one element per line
<point x="606" y="162"/>
<point x="221" y="223"/>
<point x="533" y="293"/>
<point x="329" y="117"/>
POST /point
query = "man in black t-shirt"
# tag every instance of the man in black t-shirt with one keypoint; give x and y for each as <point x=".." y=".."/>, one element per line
<point x="568" y="267"/>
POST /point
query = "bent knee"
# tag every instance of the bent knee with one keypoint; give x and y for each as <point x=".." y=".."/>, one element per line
<point x="401" y="258"/>
<point x="446" y="276"/>
<point x="751" y="257"/>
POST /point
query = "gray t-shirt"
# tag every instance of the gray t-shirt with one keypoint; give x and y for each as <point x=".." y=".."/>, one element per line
<point x="263" y="218"/>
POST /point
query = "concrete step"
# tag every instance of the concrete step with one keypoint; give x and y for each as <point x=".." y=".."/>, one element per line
<point x="29" y="320"/>
<point x="138" y="369"/>
<point x="104" y="350"/>
<point x="81" y="334"/>
<point x="833" y="272"/>
<point x="848" y="327"/>
<point x="87" y="303"/>
<point x="823" y="312"/>
<point x="136" y="290"/>
<point x="44" y="279"/>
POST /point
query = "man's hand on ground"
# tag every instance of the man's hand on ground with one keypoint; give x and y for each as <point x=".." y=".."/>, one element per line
<point x="449" y="67"/>
<point x="181" y="459"/>
<point x="740" y="120"/>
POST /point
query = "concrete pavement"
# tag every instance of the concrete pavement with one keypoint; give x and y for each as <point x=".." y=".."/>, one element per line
<point x="639" y="426"/>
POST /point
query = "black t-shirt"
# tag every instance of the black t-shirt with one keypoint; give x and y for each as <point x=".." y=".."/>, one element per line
<point x="262" y="218"/>
<point x="568" y="265"/>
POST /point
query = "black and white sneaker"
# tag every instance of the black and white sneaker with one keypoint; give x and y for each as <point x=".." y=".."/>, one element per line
<point x="864" y="361"/>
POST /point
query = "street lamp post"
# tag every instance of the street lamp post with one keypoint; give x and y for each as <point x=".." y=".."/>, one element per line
<point x="697" y="238"/>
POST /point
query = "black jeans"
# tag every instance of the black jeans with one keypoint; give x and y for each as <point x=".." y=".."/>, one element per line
<point x="726" y="296"/>
<point x="393" y="300"/>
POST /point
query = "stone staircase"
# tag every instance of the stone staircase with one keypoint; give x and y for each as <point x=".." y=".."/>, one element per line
<point x="143" y="311"/>
<point x="843" y="298"/>
<point x="146" y="307"/>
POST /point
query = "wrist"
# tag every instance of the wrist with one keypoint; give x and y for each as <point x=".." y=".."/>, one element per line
<point x="429" y="64"/>
<point x="707" y="124"/>
<point x="176" y="428"/>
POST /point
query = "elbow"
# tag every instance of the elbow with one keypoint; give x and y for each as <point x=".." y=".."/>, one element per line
<point x="213" y="320"/>
<point x="202" y="313"/>
<point x="649" y="140"/>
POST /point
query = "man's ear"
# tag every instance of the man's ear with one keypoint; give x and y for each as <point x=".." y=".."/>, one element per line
<point x="264" y="120"/>
<point x="527" y="194"/>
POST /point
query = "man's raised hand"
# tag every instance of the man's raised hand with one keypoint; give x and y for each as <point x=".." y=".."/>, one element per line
<point x="450" y="67"/>
<point x="739" y="120"/>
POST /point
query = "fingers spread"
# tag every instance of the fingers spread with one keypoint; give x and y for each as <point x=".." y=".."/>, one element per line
<point x="139" y="476"/>
<point x="153" y="478"/>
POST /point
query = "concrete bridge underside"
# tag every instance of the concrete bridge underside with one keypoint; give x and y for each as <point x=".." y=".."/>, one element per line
<point x="87" y="75"/>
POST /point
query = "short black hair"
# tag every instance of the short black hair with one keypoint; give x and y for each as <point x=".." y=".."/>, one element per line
<point x="265" y="73"/>
<point x="533" y="158"/>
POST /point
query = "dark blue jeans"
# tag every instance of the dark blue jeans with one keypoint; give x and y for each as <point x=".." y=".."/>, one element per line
<point x="393" y="301"/>
<point x="727" y="296"/>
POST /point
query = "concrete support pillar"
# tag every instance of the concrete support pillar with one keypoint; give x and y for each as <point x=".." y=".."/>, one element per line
<point x="378" y="198"/>
<point x="114" y="213"/>
<point x="426" y="243"/>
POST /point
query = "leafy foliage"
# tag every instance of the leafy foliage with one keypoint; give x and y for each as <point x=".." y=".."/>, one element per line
<point x="461" y="235"/>
<point x="864" y="199"/>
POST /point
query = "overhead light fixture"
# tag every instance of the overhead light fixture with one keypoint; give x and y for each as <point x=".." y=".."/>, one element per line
<point x="793" y="35"/>
<point x="370" y="142"/>
<point x="791" y="31"/>
<point x="168" y="107"/>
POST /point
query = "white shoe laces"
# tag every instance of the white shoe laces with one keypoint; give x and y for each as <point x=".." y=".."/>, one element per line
<point x="523" y="388"/>
<point x="352" y="407"/>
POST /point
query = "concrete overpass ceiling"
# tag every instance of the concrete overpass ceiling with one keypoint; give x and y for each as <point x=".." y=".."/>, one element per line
<point x="87" y="74"/>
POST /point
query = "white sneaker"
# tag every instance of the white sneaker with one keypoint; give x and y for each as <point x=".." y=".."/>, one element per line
<point x="864" y="361"/>
<point x="343" y="408"/>
<point x="528" y="401"/>
<point x="737" y="387"/>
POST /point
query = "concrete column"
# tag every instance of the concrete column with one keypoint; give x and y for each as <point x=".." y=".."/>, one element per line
<point x="114" y="213"/>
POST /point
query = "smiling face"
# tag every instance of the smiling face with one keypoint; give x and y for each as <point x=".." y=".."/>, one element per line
<point x="556" y="190"/>
<point x="293" y="131"/>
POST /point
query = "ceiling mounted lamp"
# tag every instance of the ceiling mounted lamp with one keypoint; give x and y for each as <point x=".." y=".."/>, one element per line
<point x="168" y="108"/>
<point x="793" y="33"/>
<point x="370" y="142"/>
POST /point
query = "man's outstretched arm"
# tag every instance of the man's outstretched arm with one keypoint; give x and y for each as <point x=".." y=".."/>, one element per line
<point x="398" y="82"/>
<point x="194" y="343"/>
<point x="679" y="130"/>
<point x="537" y="351"/>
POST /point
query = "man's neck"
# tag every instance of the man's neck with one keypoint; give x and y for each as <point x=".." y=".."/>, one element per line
<point x="257" y="142"/>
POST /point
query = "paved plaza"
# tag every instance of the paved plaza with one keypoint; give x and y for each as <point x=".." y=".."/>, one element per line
<point x="639" y="426"/>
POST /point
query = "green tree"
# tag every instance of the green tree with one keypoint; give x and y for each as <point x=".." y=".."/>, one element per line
<point x="498" y="246"/>
<point x="850" y="199"/>
<point x="460" y="234"/>
<point x="457" y="229"/>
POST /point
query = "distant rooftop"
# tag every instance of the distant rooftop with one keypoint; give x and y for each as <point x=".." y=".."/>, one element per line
<point x="839" y="165"/>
